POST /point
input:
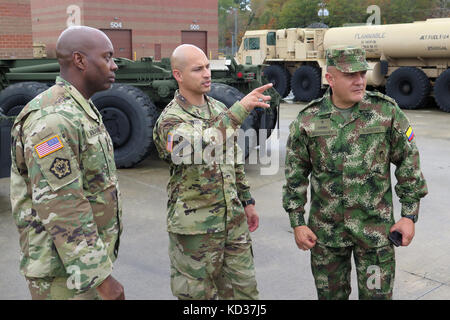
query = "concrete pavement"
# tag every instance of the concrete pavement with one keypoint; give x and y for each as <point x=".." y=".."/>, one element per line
<point x="282" y="270"/>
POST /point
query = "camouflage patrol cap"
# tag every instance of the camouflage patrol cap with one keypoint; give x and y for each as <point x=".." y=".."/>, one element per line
<point x="347" y="58"/>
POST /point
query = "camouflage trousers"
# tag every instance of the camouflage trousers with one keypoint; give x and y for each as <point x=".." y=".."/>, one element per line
<point x="51" y="288"/>
<point x="212" y="266"/>
<point x="375" y="269"/>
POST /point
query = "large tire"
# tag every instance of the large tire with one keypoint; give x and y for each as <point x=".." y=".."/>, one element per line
<point x="306" y="83"/>
<point x="409" y="87"/>
<point x="228" y="96"/>
<point x="16" y="96"/>
<point x="129" y="116"/>
<point x="280" y="78"/>
<point x="442" y="91"/>
<point x="12" y="101"/>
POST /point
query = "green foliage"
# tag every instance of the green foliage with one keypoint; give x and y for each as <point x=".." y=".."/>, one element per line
<point x="298" y="13"/>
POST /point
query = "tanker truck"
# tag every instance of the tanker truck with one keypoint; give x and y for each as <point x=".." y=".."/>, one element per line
<point x="409" y="61"/>
<point x="132" y="105"/>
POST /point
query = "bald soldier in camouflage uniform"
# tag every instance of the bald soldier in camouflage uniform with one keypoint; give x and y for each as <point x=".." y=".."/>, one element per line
<point x="346" y="141"/>
<point x="210" y="209"/>
<point x="64" y="188"/>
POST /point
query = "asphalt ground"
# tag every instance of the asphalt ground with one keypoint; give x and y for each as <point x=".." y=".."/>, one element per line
<point x="282" y="270"/>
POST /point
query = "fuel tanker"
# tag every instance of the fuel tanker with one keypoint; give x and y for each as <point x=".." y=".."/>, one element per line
<point x="409" y="61"/>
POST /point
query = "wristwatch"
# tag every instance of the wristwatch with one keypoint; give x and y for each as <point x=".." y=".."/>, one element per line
<point x="413" y="217"/>
<point x="247" y="202"/>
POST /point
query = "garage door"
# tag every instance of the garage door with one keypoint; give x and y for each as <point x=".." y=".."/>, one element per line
<point x="197" y="38"/>
<point x="121" y="40"/>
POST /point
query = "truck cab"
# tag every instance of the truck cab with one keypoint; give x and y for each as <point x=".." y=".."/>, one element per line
<point x="257" y="46"/>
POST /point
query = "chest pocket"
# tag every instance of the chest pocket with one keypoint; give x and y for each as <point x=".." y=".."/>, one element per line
<point x="373" y="142"/>
<point x="96" y="159"/>
<point x="322" y="142"/>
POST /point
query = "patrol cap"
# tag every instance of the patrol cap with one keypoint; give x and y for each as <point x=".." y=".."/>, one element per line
<point x="347" y="58"/>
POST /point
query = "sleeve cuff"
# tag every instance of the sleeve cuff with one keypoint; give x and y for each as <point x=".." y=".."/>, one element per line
<point x="296" y="219"/>
<point x="245" y="195"/>
<point x="238" y="112"/>
<point x="410" y="208"/>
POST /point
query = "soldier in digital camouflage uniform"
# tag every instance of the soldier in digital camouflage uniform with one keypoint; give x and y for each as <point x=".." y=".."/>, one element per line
<point x="209" y="240"/>
<point x="346" y="141"/>
<point x="64" y="188"/>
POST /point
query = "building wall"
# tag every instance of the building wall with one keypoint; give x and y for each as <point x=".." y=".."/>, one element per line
<point x="16" y="39"/>
<point x="49" y="19"/>
<point x="152" y="22"/>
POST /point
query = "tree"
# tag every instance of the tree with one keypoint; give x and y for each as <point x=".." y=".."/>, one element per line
<point x="346" y="12"/>
<point x="298" y="13"/>
<point x="226" y="19"/>
<point x="404" y="11"/>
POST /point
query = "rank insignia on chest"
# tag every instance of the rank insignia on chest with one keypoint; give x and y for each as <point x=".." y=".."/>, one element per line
<point x="48" y="146"/>
<point x="169" y="146"/>
<point x="322" y="124"/>
<point x="60" y="168"/>
<point x="409" y="134"/>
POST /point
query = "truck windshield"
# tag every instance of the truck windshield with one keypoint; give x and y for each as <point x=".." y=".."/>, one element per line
<point x="271" y="39"/>
<point x="251" y="44"/>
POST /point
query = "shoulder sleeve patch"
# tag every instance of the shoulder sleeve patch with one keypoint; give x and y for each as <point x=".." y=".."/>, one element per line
<point x="60" y="167"/>
<point x="409" y="134"/>
<point x="55" y="161"/>
<point x="48" y="146"/>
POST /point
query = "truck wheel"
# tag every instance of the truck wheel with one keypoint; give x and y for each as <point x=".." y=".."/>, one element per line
<point x="442" y="91"/>
<point x="129" y="116"/>
<point x="306" y="83"/>
<point x="228" y="95"/>
<point x="16" y="96"/>
<point x="280" y="78"/>
<point x="409" y="87"/>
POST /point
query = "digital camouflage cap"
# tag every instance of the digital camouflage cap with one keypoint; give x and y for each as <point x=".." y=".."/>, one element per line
<point x="347" y="58"/>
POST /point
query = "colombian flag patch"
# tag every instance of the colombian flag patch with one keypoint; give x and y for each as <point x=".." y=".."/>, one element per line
<point x="409" y="134"/>
<point x="169" y="146"/>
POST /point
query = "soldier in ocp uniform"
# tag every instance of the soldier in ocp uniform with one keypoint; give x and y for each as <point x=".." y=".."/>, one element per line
<point x="345" y="142"/>
<point x="210" y="210"/>
<point x="64" y="188"/>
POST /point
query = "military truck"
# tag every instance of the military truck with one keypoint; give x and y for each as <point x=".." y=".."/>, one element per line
<point x="132" y="105"/>
<point x="408" y="60"/>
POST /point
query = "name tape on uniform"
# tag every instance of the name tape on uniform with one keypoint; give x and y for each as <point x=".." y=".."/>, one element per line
<point x="48" y="146"/>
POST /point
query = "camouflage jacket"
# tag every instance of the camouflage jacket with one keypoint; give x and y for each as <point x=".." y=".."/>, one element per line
<point x="203" y="195"/>
<point x="64" y="189"/>
<point x="349" y="167"/>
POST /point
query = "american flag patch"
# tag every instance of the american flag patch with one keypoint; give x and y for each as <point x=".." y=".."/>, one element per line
<point x="410" y="134"/>
<point x="169" y="146"/>
<point x="48" y="146"/>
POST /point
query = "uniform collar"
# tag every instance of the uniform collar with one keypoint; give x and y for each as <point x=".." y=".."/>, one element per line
<point x="87" y="105"/>
<point x="192" y="109"/>
<point x="329" y="110"/>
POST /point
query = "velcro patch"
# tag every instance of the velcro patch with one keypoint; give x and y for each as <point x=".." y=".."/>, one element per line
<point x="319" y="133"/>
<point x="169" y="146"/>
<point x="60" y="168"/>
<point x="48" y="146"/>
<point x="322" y="124"/>
<point x="369" y="130"/>
<point x="409" y="134"/>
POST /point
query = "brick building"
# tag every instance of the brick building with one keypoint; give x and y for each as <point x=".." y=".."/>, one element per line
<point x="136" y="28"/>
<point x="16" y="40"/>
